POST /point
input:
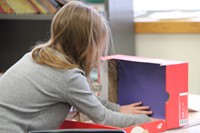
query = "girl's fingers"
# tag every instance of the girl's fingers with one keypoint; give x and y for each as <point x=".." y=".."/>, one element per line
<point x="136" y="104"/>
<point x="141" y="107"/>
<point x="137" y="108"/>
<point x="144" y="112"/>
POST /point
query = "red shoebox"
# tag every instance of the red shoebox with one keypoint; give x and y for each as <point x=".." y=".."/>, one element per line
<point x="160" y="84"/>
<point x="150" y="127"/>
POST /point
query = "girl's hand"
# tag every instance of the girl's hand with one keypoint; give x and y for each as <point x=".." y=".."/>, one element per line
<point x="135" y="108"/>
<point x="153" y="119"/>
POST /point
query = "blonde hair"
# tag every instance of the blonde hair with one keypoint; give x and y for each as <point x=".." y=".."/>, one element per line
<point x="79" y="36"/>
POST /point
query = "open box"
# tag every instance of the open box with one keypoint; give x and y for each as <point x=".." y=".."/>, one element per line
<point x="158" y="83"/>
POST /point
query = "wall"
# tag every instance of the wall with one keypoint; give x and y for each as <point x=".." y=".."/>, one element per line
<point x="120" y="17"/>
<point x="184" y="47"/>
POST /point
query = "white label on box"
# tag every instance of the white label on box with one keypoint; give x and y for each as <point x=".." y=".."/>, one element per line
<point x="183" y="109"/>
<point x="139" y="129"/>
<point x="159" y="126"/>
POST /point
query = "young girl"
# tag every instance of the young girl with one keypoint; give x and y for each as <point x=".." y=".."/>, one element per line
<point x="38" y="91"/>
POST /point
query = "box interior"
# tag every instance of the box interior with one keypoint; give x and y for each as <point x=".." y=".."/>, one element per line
<point x="146" y="82"/>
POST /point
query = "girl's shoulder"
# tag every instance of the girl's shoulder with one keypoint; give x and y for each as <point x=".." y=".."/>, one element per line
<point x="73" y="72"/>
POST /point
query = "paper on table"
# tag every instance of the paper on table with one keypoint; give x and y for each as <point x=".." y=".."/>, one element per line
<point x="193" y="102"/>
<point x="174" y="15"/>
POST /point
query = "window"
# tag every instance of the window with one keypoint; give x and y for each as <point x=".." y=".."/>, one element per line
<point x="164" y="5"/>
<point x="167" y="9"/>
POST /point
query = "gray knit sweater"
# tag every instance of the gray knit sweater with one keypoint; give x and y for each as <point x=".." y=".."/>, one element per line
<point x="37" y="97"/>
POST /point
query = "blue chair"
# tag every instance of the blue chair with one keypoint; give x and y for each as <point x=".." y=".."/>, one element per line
<point x="80" y="131"/>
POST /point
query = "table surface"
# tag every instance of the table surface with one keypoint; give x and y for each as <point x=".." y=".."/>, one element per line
<point x="193" y="127"/>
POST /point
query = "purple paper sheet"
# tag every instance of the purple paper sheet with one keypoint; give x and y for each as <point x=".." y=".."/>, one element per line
<point x="142" y="82"/>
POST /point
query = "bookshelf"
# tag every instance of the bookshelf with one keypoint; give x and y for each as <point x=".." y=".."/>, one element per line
<point x="26" y="16"/>
<point x="21" y="31"/>
<point x="23" y="23"/>
<point x="18" y="35"/>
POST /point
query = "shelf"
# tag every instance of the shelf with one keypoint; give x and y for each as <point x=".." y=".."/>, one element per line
<point x="146" y="24"/>
<point x="26" y="16"/>
<point x="167" y="27"/>
<point x="98" y="6"/>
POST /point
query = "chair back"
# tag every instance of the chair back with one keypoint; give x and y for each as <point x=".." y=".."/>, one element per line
<point x="80" y="131"/>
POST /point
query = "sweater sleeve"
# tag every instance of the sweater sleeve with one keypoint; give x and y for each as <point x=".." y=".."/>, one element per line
<point x="109" y="105"/>
<point x="78" y="94"/>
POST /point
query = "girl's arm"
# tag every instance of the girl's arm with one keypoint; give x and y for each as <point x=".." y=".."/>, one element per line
<point x="109" y="105"/>
<point x="78" y="94"/>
